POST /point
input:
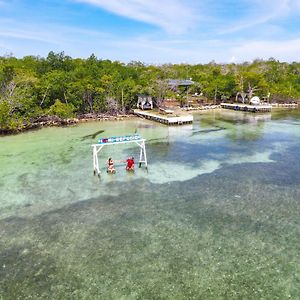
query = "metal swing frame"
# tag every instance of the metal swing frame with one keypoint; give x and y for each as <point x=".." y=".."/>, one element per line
<point x="116" y="141"/>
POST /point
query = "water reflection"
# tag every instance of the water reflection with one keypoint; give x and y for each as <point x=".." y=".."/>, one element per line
<point x="286" y="114"/>
<point x="239" y="126"/>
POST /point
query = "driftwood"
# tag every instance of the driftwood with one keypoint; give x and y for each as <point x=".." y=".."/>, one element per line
<point x="51" y="121"/>
<point x="101" y="116"/>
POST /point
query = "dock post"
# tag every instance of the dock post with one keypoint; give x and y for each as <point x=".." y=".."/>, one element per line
<point x="94" y="160"/>
<point x="145" y="156"/>
<point x="143" y="153"/>
<point x="141" y="156"/>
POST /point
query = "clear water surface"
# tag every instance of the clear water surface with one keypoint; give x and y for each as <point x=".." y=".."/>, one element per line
<point x="217" y="215"/>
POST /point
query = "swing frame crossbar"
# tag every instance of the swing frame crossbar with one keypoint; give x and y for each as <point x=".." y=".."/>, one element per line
<point x="98" y="147"/>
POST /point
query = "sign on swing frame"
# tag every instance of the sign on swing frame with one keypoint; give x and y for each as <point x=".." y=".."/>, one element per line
<point x="119" y="139"/>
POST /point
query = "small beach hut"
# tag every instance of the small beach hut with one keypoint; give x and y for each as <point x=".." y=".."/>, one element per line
<point x="255" y="100"/>
<point x="145" y="102"/>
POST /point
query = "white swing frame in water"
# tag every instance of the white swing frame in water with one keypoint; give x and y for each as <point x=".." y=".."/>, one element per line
<point x="116" y="141"/>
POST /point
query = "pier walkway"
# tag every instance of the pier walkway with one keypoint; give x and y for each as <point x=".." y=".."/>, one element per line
<point x="247" y="107"/>
<point x="168" y="119"/>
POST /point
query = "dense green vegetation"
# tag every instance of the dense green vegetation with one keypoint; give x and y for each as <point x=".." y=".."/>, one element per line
<point x="60" y="85"/>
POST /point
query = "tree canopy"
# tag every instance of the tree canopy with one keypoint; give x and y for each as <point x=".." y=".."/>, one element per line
<point x="60" y="85"/>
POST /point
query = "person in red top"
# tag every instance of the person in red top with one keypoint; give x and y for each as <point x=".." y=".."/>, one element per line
<point x="130" y="164"/>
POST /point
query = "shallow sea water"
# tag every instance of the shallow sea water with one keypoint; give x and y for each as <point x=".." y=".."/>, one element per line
<point x="217" y="215"/>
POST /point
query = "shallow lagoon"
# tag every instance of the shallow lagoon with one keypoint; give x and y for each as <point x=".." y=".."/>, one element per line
<point x="216" y="215"/>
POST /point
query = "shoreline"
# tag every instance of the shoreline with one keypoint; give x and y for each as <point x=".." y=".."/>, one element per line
<point x="54" y="121"/>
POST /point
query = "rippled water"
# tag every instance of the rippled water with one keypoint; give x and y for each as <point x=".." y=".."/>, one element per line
<point x="217" y="215"/>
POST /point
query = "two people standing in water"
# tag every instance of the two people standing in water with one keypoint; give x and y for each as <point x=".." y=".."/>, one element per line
<point x="129" y="165"/>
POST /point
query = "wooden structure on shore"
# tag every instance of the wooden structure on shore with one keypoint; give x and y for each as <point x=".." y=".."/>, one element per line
<point x="145" y="102"/>
<point x="247" y="107"/>
<point x="288" y="105"/>
<point x="168" y="120"/>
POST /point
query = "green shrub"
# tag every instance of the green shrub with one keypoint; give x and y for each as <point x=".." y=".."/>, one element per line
<point x="61" y="110"/>
<point x="9" y="121"/>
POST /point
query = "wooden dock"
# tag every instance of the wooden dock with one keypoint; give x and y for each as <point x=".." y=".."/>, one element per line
<point x="168" y="119"/>
<point x="285" y="105"/>
<point x="247" y="107"/>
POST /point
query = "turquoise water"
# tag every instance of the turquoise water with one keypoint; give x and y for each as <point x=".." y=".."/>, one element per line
<point x="217" y="215"/>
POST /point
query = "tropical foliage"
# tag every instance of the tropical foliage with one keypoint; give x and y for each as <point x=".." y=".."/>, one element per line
<point x="59" y="85"/>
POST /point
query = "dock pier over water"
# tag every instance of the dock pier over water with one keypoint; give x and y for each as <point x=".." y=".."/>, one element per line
<point x="247" y="107"/>
<point x="168" y="119"/>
